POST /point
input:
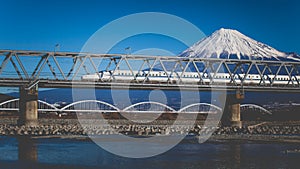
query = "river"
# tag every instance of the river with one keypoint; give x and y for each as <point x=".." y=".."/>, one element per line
<point x="19" y="153"/>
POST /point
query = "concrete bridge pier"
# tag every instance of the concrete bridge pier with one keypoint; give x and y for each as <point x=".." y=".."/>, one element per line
<point x="232" y="111"/>
<point x="28" y="105"/>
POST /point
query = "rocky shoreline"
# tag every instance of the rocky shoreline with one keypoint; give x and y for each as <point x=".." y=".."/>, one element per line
<point x="71" y="127"/>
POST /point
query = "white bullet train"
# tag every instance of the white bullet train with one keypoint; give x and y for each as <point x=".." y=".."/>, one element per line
<point x="159" y="76"/>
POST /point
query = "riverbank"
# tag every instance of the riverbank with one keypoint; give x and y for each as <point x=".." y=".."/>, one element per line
<point x="264" y="131"/>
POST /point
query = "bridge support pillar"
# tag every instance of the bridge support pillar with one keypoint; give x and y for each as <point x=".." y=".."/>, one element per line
<point x="28" y="106"/>
<point x="235" y="115"/>
<point x="232" y="112"/>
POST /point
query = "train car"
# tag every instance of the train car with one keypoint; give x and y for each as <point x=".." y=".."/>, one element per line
<point x="159" y="76"/>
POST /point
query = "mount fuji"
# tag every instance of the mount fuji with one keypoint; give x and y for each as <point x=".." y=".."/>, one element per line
<point x="231" y="44"/>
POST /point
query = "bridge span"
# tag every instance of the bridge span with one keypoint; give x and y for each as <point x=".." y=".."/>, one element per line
<point x="30" y="70"/>
<point x="66" y="69"/>
<point x="97" y="106"/>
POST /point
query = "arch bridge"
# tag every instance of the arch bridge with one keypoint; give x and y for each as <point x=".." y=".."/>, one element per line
<point x="96" y="106"/>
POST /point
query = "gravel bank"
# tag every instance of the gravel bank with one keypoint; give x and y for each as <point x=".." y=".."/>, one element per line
<point x="64" y="127"/>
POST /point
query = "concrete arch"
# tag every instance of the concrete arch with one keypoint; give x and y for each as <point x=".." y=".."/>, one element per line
<point x="200" y="104"/>
<point x="16" y="108"/>
<point x="9" y="101"/>
<point x="40" y="102"/>
<point x="149" y="102"/>
<point x="47" y="104"/>
<point x="256" y="106"/>
<point x="92" y="101"/>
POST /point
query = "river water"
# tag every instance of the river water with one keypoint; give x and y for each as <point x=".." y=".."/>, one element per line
<point x="19" y="153"/>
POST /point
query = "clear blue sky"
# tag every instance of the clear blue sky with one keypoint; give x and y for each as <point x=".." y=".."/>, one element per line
<point x="39" y="25"/>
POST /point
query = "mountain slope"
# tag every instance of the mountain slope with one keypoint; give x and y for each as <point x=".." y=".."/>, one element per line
<point x="231" y="44"/>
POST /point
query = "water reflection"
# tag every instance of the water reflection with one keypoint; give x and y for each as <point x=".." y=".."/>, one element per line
<point x="27" y="149"/>
<point x="26" y="152"/>
<point x="237" y="155"/>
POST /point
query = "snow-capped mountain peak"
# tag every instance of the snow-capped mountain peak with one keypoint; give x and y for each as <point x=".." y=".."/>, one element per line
<point x="226" y="43"/>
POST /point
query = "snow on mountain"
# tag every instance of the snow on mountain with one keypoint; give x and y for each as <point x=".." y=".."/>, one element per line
<point x="231" y="44"/>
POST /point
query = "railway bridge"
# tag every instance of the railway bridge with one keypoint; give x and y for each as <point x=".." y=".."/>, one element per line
<point x="31" y="70"/>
